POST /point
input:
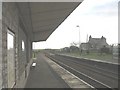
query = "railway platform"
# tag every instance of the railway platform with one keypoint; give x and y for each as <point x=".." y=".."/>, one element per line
<point x="48" y="74"/>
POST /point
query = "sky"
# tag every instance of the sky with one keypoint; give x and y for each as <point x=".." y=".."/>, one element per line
<point x="95" y="17"/>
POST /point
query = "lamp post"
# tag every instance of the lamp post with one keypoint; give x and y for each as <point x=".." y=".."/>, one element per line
<point x="79" y="36"/>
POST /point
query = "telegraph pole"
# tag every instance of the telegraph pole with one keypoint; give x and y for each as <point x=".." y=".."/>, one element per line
<point x="79" y="37"/>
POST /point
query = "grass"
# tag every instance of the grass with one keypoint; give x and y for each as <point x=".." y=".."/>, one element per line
<point x="105" y="57"/>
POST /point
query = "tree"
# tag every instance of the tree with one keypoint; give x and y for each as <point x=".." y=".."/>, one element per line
<point x="74" y="48"/>
<point x="66" y="49"/>
<point x="104" y="49"/>
<point x="73" y="44"/>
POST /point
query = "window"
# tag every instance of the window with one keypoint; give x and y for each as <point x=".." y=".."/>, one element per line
<point x="23" y="46"/>
<point x="10" y="59"/>
<point x="10" y="40"/>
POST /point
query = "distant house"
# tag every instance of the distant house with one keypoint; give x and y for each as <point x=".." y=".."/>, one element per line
<point x="94" y="44"/>
<point x="84" y="46"/>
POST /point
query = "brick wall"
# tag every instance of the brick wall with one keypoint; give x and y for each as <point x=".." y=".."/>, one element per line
<point x="0" y="54"/>
<point x="21" y="54"/>
<point x="0" y="45"/>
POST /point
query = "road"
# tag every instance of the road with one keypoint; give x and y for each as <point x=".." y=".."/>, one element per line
<point x="97" y="74"/>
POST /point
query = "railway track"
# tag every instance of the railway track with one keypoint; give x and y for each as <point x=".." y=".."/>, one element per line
<point x="88" y="73"/>
<point x="96" y="69"/>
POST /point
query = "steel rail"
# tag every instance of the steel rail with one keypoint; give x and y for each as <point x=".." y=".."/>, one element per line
<point x="86" y="78"/>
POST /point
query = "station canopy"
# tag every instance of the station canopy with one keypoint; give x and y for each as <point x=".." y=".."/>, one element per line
<point x="42" y="18"/>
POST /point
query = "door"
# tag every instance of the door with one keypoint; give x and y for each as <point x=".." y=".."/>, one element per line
<point x="10" y="59"/>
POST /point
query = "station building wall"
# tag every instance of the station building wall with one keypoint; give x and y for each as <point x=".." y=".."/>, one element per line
<point x="0" y="54"/>
<point x="11" y="20"/>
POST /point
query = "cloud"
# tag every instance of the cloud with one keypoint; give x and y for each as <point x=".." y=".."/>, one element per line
<point x="100" y="7"/>
<point x="95" y="17"/>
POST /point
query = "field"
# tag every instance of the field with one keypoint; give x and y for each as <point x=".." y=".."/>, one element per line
<point x="98" y="56"/>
